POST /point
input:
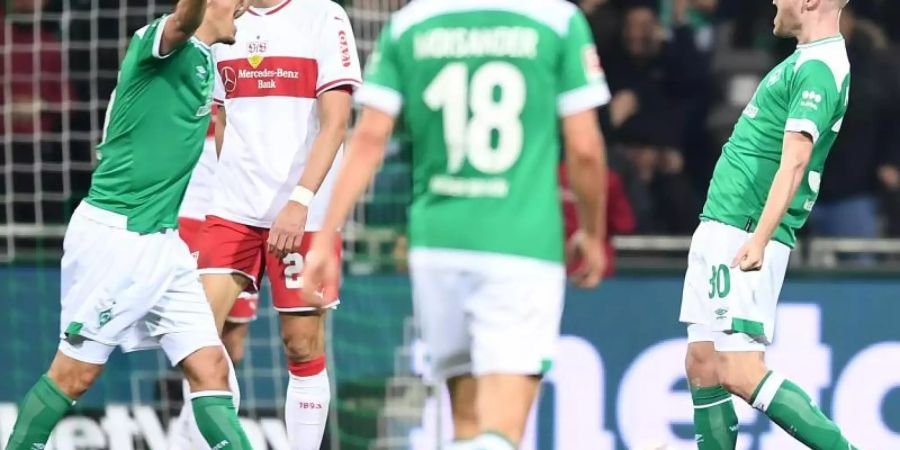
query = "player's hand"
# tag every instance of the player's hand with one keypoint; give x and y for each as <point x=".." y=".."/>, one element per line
<point x="321" y="268"/>
<point x="287" y="231"/>
<point x="750" y="257"/>
<point x="589" y="250"/>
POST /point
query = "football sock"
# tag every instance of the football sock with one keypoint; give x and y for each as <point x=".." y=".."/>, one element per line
<point x="715" y="422"/>
<point x="493" y="441"/>
<point x="789" y="407"/>
<point x="218" y="421"/>
<point x="306" y="404"/>
<point x="43" y="407"/>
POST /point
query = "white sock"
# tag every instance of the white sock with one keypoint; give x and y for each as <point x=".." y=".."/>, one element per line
<point x="493" y="441"/>
<point x="186" y="435"/>
<point x="306" y="410"/>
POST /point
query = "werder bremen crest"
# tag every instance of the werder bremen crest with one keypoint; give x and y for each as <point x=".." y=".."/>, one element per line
<point x="256" y="49"/>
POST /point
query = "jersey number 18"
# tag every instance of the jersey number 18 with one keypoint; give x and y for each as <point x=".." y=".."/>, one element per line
<point x="471" y="139"/>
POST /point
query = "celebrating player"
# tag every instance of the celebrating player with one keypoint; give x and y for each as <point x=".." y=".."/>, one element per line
<point x="481" y="85"/>
<point x="762" y="190"/>
<point x="127" y="279"/>
<point x="285" y="94"/>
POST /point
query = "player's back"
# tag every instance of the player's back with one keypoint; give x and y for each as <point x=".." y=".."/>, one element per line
<point x="482" y="85"/>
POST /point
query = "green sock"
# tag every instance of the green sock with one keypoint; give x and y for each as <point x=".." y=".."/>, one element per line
<point x="43" y="407"/>
<point x="218" y="422"/>
<point x="491" y="440"/>
<point x="789" y="407"/>
<point x="715" y="422"/>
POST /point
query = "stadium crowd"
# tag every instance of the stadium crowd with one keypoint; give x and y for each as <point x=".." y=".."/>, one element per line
<point x="680" y="72"/>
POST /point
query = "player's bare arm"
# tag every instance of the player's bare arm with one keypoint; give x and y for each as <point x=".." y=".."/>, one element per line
<point x="334" y="114"/>
<point x="586" y="167"/>
<point x="794" y="159"/>
<point x="365" y="153"/>
<point x="220" y="129"/>
<point x="182" y="24"/>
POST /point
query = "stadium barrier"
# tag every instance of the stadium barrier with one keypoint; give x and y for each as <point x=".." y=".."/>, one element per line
<point x="617" y="383"/>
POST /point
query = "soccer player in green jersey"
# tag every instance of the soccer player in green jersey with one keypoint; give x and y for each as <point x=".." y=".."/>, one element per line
<point x="127" y="279"/>
<point x="484" y="88"/>
<point x="763" y="188"/>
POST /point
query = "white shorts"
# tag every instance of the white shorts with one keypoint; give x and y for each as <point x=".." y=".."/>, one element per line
<point x="732" y="308"/>
<point x="124" y="289"/>
<point x="482" y="313"/>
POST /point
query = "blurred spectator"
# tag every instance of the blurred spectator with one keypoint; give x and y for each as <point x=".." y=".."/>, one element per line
<point x="39" y="94"/>
<point x="658" y="188"/>
<point x="847" y="205"/>
<point x="604" y="19"/>
<point x="619" y="217"/>
<point x="652" y="77"/>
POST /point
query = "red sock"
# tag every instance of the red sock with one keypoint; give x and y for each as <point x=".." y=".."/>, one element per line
<point x="307" y="368"/>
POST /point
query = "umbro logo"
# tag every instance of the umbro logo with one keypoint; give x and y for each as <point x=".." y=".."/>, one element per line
<point x="221" y="445"/>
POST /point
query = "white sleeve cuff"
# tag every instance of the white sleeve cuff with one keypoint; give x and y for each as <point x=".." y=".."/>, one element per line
<point x="582" y="99"/>
<point x="803" y="126"/>
<point x="157" y="39"/>
<point x="381" y="98"/>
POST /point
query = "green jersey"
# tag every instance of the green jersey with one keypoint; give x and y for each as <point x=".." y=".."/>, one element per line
<point x="156" y="123"/>
<point x="808" y="92"/>
<point x="481" y="85"/>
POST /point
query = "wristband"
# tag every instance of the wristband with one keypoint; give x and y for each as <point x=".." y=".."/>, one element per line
<point x="302" y="196"/>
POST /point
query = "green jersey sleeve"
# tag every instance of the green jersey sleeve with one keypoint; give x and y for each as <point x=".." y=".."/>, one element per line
<point x="814" y="100"/>
<point x="381" y="86"/>
<point x="581" y="84"/>
<point x="147" y="41"/>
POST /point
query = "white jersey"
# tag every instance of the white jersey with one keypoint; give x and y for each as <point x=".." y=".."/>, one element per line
<point x="283" y="59"/>
<point x="199" y="193"/>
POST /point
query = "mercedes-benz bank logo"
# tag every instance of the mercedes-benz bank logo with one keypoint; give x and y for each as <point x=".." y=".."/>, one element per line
<point x="229" y="79"/>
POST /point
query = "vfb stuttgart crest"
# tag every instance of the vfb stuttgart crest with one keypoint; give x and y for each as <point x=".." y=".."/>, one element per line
<point x="256" y="49"/>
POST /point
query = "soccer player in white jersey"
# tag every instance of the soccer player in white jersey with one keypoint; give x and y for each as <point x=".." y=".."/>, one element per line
<point x="127" y="280"/>
<point x="284" y="92"/>
<point x="762" y="191"/>
<point x="486" y="89"/>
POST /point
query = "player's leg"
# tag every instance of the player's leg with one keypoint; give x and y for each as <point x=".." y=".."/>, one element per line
<point x="98" y="258"/>
<point x="514" y="315"/>
<point x="303" y="333"/>
<point x="437" y="291"/>
<point x="715" y="420"/>
<point x="45" y="404"/>
<point x="463" y="394"/>
<point x="309" y="390"/>
<point x="745" y="374"/>
<point x="743" y="325"/>
<point x="183" y="324"/>
<point x="185" y="435"/>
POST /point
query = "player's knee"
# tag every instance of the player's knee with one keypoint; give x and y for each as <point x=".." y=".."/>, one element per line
<point x="740" y="375"/>
<point x="700" y="365"/>
<point x="301" y="347"/>
<point x="74" y="383"/>
<point x="206" y="370"/>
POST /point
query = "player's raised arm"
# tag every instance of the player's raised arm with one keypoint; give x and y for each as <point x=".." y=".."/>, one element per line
<point x="181" y="25"/>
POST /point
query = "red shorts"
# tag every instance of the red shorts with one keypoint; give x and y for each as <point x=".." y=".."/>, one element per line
<point x="229" y="247"/>
<point x="244" y="309"/>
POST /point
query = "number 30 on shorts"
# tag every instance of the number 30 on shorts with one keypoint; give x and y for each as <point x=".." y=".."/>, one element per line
<point x="720" y="281"/>
<point x="293" y="267"/>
